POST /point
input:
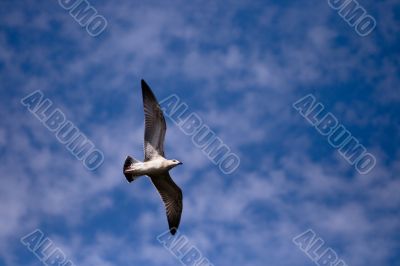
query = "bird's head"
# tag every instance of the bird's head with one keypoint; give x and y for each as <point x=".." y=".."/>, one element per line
<point x="173" y="163"/>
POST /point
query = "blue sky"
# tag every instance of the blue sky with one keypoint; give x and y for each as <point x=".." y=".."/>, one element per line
<point x="239" y="66"/>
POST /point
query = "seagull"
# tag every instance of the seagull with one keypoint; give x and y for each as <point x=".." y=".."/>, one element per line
<point x="155" y="165"/>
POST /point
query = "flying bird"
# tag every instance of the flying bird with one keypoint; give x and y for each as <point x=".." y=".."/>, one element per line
<point x="155" y="165"/>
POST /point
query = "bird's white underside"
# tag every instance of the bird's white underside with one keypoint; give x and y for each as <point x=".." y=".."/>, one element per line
<point x="153" y="167"/>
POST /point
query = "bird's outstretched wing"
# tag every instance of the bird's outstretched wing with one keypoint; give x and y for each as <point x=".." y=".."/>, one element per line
<point x="155" y="127"/>
<point x="171" y="195"/>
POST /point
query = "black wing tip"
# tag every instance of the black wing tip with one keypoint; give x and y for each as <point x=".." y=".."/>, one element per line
<point x="146" y="90"/>
<point x="173" y="230"/>
<point x="145" y="86"/>
<point x="173" y="226"/>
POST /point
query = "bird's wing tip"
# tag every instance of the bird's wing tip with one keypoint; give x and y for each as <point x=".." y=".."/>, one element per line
<point x="173" y="230"/>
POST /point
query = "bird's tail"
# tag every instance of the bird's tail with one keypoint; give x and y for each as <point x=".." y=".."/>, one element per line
<point x="129" y="169"/>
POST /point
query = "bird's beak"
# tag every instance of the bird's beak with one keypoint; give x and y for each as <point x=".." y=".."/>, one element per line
<point x="180" y="163"/>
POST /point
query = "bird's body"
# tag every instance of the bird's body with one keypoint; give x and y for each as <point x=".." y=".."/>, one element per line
<point x="155" y="165"/>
